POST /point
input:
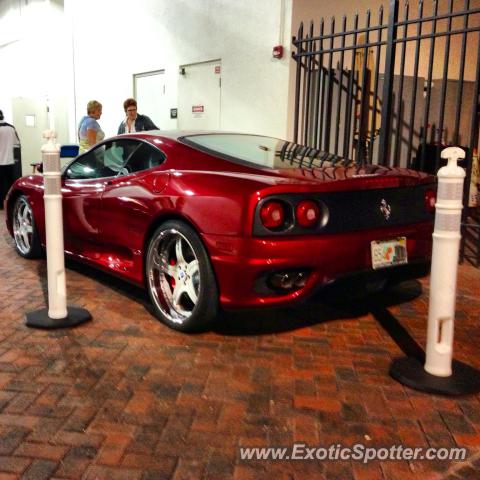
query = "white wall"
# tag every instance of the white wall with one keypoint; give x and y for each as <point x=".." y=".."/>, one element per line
<point x="93" y="50"/>
<point x="32" y="53"/>
<point x="163" y="34"/>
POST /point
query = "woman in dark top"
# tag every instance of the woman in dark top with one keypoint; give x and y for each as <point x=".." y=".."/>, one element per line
<point x="134" y="122"/>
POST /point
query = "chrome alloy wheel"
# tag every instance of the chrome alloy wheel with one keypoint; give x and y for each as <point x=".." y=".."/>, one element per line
<point x="173" y="275"/>
<point x="23" y="226"/>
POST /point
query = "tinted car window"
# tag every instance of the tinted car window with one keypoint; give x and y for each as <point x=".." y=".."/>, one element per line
<point x="262" y="151"/>
<point x="144" y="157"/>
<point x="106" y="160"/>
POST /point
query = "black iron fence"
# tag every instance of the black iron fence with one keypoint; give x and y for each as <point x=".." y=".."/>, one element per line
<point x="394" y="91"/>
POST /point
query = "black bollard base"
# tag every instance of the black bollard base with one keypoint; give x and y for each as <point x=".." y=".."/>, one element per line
<point x="40" y="319"/>
<point x="410" y="372"/>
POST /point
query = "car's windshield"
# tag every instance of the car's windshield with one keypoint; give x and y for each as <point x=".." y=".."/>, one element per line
<point x="267" y="152"/>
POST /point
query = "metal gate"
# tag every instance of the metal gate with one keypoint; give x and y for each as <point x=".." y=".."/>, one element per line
<point x="394" y="91"/>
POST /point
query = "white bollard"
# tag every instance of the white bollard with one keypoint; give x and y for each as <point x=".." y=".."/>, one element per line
<point x="440" y="373"/>
<point x="57" y="295"/>
<point x="58" y="314"/>
<point x="443" y="276"/>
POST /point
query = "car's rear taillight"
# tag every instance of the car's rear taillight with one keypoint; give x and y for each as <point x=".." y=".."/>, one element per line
<point x="272" y="215"/>
<point x="307" y="213"/>
<point x="430" y="199"/>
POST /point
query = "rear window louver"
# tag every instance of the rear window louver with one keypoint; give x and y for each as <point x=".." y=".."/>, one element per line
<point x="308" y="157"/>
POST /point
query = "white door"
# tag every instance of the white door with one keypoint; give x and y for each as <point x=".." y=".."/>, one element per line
<point x="199" y="96"/>
<point x="30" y="118"/>
<point x="151" y="93"/>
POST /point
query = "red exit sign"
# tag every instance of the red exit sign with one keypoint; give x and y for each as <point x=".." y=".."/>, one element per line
<point x="197" y="109"/>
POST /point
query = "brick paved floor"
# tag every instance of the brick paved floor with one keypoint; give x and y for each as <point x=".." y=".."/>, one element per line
<point x="123" y="397"/>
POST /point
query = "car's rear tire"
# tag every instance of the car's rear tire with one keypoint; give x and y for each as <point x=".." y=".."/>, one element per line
<point x="25" y="234"/>
<point x="180" y="278"/>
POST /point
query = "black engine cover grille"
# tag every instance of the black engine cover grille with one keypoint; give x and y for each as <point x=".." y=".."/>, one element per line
<point x="356" y="210"/>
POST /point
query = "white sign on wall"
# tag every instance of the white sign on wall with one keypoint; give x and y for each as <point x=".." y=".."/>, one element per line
<point x="197" y="111"/>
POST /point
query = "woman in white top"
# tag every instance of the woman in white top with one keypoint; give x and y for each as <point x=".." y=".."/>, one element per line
<point x="8" y="139"/>
<point x="89" y="130"/>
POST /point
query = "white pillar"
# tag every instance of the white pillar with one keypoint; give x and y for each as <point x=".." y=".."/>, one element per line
<point x="443" y="277"/>
<point x="57" y="296"/>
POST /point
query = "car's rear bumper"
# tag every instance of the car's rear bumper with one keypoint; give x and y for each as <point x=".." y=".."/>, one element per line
<point x="242" y="264"/>
<point x="371" y="281"/>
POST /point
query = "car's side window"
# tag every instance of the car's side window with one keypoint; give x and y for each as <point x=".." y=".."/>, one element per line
<point x="144" y="157"/>
<point x="88" y="165"/>
<point x="106" y="160"/>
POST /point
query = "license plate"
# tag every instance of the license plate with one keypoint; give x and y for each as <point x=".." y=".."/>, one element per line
<point x="388" y="253"/>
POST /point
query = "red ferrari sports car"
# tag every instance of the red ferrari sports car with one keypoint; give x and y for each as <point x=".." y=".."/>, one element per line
<point x="220" y="220"/>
